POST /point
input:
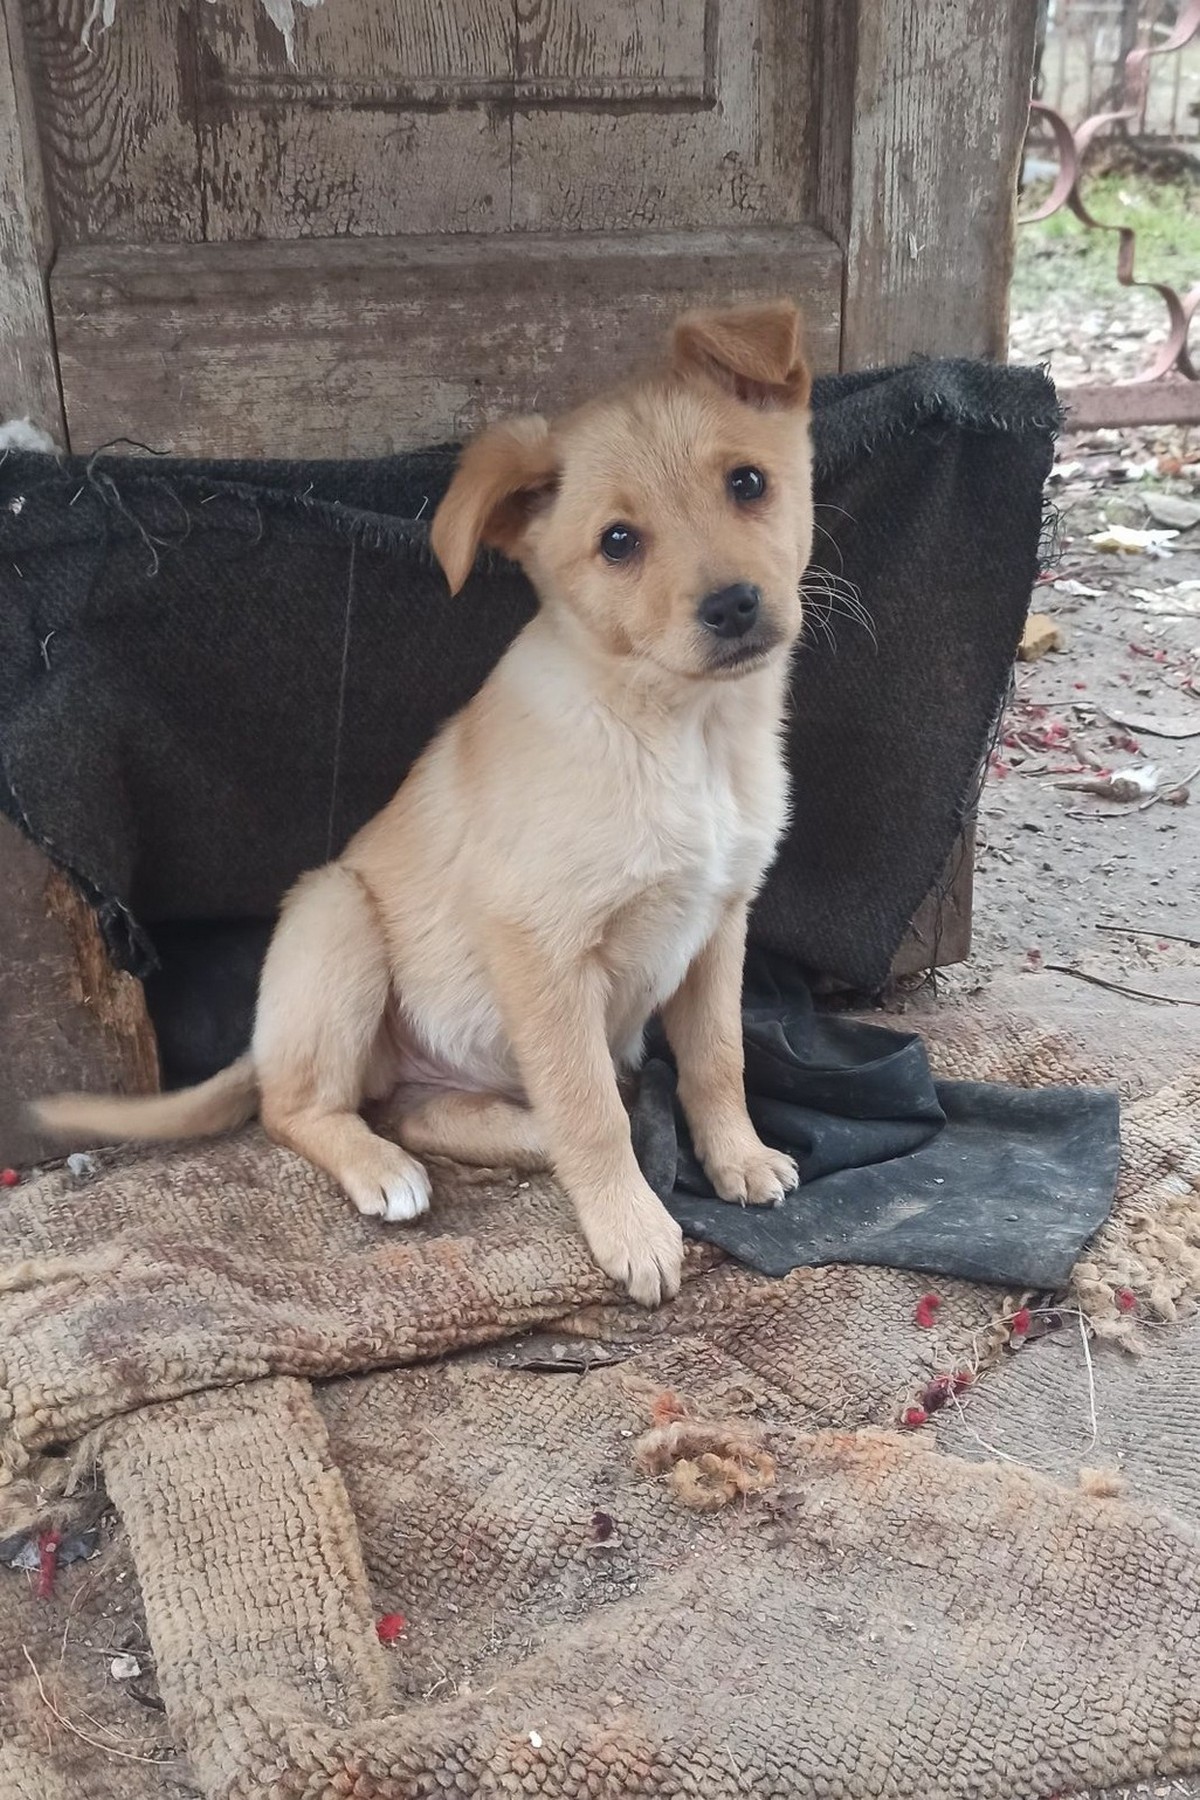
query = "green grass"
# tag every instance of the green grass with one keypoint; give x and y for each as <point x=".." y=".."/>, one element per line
<point x="1165" y="215"/>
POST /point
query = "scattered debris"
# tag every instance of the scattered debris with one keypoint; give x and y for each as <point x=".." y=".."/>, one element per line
<point x="24" y="1550"/>
<point x="47" y="1546"/>
<point x="1179" y="602"/>
<point x="23" y="434"/>
<point x="1169" y="937"/>
<point x="667" y="1407"/>
<point x="602" y="1532"/>
<point x="1079" y="589"/>
<point x="1182" y="725"/>
<point x="1120" y="987"/>
<point x="1170" y="509"/>
<point x="535" y="1740"/>
<point x="1124" y="538"/>
<point x="83" y="1166"/>
<point x="707" y="1463"/>
<point x="145" y="1698"/>
<point x="20" y="1552"/>
<point x="942" y="1389"/>
<point x="158" y="1753"/>
<point x="1102" y="1484"/>
<point x="1041" y="634"/>
<point x="124" y="1668"/>
<point x="1118" y="784"/>
<point x="925" y="1314"/>
<point x="570" y="1356"/>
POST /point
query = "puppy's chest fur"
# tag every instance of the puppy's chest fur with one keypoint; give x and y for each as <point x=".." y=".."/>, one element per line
<point x="702" y="819"/>
<point x="704" y="843"/>
<point x="670" y="827"/>
<point x="600" y="836"/>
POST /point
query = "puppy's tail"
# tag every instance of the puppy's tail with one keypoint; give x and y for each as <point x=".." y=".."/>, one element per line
<point x="220" y="1104"/>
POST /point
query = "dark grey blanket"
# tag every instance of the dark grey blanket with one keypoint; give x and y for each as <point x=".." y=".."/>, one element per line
<point x="212" y="673"/>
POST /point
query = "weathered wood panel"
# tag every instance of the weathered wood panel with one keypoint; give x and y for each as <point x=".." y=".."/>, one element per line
<point x="116" y="119"/>
<point x="940" y="933"/>
<point x="924" y="105"/>
<point x="28" y="377"/>
<point x="366" y="347"/>
<point x="707" y="120"/>
<point x="189" y="122"/>
<point x="390" y="119"/>
<point x="68" y="1019"/>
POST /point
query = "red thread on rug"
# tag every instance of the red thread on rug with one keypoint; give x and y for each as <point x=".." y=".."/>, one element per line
<point x="926" y="1310"/>
<point x="47" y="1546"/>
<point x="1021" y="1320"/>
<point x="389" y="1628"/>
<point x="667" y="1407"/>
<point x="9" y="1177"/>
<point x="913" y="1417"/>
<point x="1126" y="1299"/>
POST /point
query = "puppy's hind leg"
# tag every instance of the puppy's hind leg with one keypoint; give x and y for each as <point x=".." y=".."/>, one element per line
<point x="321" y="1006"/>
<point x="488" y="1130"/>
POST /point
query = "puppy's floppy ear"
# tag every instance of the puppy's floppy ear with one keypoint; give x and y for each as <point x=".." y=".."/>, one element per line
<point x="500" y="477"/>
<point x="754" y="352"/>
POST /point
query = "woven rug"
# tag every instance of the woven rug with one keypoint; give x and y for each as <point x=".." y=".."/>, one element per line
<point x="697" y="1552"/>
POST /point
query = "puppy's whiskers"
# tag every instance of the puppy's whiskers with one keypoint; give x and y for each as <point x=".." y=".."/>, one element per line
<point x="828" y="596"/>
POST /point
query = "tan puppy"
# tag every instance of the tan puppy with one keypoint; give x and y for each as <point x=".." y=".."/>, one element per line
<point x="578" y="848"/>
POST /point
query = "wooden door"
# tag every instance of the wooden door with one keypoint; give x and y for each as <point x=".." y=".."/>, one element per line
<point x="398" y="217"/>
<point x="425" y="213"/>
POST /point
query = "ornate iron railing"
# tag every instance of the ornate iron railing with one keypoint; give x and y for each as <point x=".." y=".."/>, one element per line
<point x="1167" y="391"/>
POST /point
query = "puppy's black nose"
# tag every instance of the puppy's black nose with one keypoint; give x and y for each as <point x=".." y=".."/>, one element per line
<point x="731" y="612"/>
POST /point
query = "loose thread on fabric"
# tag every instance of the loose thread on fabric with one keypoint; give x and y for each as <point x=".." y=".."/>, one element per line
<point x="341" y="706"/>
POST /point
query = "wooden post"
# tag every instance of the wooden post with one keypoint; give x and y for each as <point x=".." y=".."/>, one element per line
<point x="28" y="375"/>
<point x="924" y="105"/>
<point x="68" y="1019"/>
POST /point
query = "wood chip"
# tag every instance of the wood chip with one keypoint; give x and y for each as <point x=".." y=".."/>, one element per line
<point x="1040" y="635"/>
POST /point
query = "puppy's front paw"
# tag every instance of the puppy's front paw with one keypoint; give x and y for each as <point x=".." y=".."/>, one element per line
<point x="638" y="1243"/>
<point x="389" y="1185"/>
<point x="751" y="1174"/>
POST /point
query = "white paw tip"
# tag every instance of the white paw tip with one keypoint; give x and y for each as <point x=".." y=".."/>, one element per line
<point x="405" y="1197"/>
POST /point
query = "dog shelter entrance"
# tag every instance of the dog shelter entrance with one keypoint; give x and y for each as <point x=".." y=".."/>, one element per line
<point x="382" y="1514"/>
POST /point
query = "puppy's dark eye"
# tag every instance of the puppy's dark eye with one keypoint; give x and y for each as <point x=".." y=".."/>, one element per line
<point x="618" y="543"/>
<point x="746" y="484"/>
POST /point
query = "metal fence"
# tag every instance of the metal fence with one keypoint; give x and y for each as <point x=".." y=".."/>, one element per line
<point x="1128" y="59"/>
<point x="1080" y="67"/>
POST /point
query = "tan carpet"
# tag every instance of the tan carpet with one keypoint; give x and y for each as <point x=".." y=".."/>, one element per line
<point x="263" y="1380"/>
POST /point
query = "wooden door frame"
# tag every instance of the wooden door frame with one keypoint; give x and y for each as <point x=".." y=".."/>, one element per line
<point x="28" y="365"/>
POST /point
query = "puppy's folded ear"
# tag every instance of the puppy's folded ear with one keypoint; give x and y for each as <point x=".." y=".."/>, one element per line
<point x="753" y="352"/>
<point x="500" y="478"/>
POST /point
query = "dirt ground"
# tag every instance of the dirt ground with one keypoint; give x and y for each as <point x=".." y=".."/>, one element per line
<point x="1067" y="878"/>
